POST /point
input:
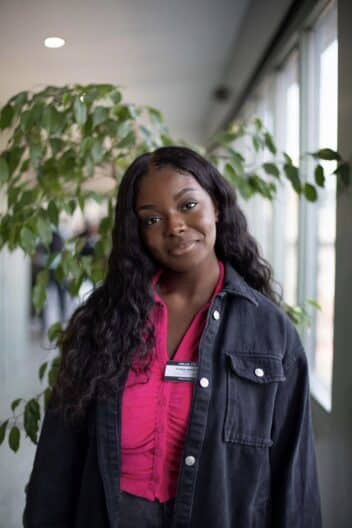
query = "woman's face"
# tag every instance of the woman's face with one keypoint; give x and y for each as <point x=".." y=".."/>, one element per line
<point x="177" y="218"/>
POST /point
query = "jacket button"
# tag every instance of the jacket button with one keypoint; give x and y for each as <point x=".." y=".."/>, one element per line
<point x="190" y="460"/>
<point x="216" y="315"/>
<point x="259" y="372"/>
<point x="204" y="382"/>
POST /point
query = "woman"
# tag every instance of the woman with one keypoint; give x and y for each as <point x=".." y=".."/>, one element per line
<point x="182" y="398"/>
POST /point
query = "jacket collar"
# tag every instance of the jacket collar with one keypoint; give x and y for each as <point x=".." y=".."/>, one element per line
<point x="235" y="284"/>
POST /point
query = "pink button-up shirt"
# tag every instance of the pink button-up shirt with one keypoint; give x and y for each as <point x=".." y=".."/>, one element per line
<point x="155" y="412"/>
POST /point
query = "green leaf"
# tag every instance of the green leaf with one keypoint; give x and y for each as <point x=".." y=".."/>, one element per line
<point x="6" y="116"/>
<point x="87" y="264"/>
<point x="122" y="112"/>
<point x="13" y="195"/>
<point x="75" y="285"/>
<point x="3" y="431"/>
<point x="56" y="145"/>
<point x="116" y="96"/>
<point x="59" y="274"/>
<point x="52" y="120"/>
<point x="319" y="176"/>
<point x="28" y="240"/>
<point x="105" y="225"/>
<point x="44" y="230"/>
<point x="4" y="170"/>
<point x="14" y="438"/>
<point x="81" y="201"/>
<point x="31" y="119"/>
<point x="271" y="168"/>
<point x="327" y="154"/>
<point x="31" y="419"/>
<point x="39" y="296"/>
<point x="100" y="114"/>
<point x="98" y="273"/>
<point x="53" y="372"/>
<point x="261" y="186"/>
<point x="14" y="157"/>
<point x="156" y="116"/>
<point x="35" y="153"/>
<point x="42" y="370"/>
<point x="258" y="123"/>
<point x="54" y="331"/>
<point x="53" y="213"/>
<point x="43" y="277"/>
<point x="292" y="175"/>
<point x="19" y="99"/>
<point x="313" y="303"/>
<point x="27" y="198"/>
<point x="24" y="166"/>
<point x="80" y="111"/>
<point x="47" y="396"/>
<point x="238" y="181"/>
<point x="256" y="143"/>
<point x="288" y="158"/>
<point x="225" y="137"/>
<point x="15" y="404"/>
<point x="269" y="142"/>
<point x="310" y="192"/>
<point x="127" y="141"/>
<point x="97" y="151"/>
<point x="71" y="206"/>
<point x="67" y="98"/>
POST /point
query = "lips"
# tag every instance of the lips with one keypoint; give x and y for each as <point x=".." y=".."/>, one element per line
<point x="183" y="247"/>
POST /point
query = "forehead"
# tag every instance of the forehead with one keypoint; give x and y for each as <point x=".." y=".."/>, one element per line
<point x="165" y="181"/>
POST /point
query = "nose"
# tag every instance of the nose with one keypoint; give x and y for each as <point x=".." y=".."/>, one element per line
<point x="174" y="225"/>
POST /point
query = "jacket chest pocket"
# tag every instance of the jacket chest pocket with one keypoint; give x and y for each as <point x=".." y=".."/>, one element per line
<point x="252" y="383"/>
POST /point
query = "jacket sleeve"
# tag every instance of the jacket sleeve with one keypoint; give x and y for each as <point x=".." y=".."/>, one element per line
<point x="295" y="490"/>
<point x="54" y="482"/>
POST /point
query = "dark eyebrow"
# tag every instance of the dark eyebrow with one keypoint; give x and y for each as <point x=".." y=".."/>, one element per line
<point x="175" y="197"/>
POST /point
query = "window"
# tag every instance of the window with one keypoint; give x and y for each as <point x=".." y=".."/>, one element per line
<point x="286" y="134"/>
<point x="322" y="59"/>
<point x="259" y="212"/>
<point x="297" y="101"/>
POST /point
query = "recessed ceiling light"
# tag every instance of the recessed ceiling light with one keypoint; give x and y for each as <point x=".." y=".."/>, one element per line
<point x="54" y="42"/>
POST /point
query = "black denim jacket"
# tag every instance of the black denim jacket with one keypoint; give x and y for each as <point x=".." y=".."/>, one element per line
<point x="248" y="459"/>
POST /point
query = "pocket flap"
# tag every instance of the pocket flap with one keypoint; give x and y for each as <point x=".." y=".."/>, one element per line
<point x="258" y="369"/>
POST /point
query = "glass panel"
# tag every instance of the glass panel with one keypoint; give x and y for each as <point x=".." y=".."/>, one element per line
<point x="287" y="134"/>
<point x="327" y="51"/>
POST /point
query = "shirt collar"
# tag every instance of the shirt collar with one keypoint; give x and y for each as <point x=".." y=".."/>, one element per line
<point x="232" y="282"/>
<point x="229" y="280"/>
<point x="235" y="284"/>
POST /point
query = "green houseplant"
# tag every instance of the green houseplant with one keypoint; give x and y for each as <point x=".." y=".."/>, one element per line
<point x="58" y="139"/>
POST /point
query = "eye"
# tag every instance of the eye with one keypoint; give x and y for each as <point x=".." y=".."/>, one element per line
<point x="149" y="220"/>
<point x="190" y="205"/>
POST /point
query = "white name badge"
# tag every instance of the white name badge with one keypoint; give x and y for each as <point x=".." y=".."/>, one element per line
<point x="180" y="371"/>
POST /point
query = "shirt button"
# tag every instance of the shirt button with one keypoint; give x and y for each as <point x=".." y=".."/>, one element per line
<point x="216" y="315"/>
<point x="190" y="460"/>
<point x="204" y="382"/>
<point x="259" y="372"/>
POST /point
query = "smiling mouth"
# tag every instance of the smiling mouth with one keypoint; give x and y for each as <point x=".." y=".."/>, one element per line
<point x="183" y="248"/>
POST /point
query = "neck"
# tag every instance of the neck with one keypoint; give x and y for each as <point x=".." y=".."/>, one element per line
<point x="194" y="285"/>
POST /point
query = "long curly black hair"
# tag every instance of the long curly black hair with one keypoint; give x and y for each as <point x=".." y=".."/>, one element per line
<point x="113" y="326"/>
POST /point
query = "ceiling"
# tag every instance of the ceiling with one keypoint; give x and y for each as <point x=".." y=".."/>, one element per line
<point x="170" y="54"/>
